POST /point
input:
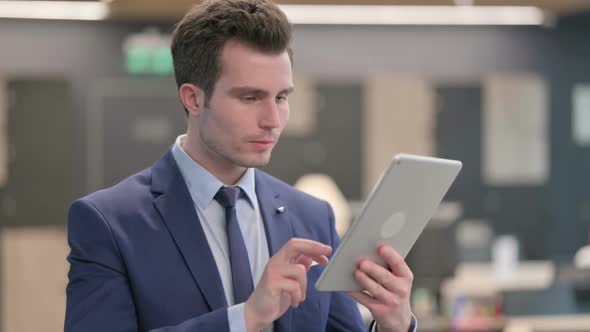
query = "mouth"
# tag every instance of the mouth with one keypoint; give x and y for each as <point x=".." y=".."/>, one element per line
<point x="263" y="144"/>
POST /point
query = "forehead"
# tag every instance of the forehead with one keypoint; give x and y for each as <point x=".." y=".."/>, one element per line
<point x="243" y="65"/>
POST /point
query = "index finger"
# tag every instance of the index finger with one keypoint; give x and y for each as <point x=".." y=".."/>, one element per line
<point x="296" y="247"/>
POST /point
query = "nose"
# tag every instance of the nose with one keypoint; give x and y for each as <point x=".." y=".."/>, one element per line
<point x="269" y="116"/>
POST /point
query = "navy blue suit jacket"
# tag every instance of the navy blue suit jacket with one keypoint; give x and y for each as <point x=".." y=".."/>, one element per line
<point x="139" y="259"/>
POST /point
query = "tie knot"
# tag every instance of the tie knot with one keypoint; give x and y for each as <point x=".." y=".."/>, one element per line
<point x="227" y="196"/>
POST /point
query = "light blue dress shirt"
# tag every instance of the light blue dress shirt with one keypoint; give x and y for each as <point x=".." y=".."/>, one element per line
<point x="203" y="186"/>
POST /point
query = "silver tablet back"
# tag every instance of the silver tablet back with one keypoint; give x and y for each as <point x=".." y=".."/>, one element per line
<point x="397" y="210"/>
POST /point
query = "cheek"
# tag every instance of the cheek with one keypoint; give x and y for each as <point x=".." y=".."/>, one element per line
<point x="215" y="128"/>
<point x="231" y="128"/>
<point x="221" y="122"/>
<point x="284" y="115"/>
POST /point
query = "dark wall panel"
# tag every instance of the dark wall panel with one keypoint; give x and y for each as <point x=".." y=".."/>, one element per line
<point x="43" y="170"/>
<point x="335" y="146"/>
<point x="518" y="210"/>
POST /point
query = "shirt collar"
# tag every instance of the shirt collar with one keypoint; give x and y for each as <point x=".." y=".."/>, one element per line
<point x="203" y="185"/>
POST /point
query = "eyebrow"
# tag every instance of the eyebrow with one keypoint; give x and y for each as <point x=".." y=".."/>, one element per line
<point x="248" y="89"/>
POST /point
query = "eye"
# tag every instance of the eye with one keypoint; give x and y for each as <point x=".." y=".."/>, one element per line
<point x="281" y="99"/>
<point x="248" y="99"/>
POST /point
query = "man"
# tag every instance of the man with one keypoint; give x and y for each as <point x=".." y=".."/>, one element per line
<point x="202" y="241"/>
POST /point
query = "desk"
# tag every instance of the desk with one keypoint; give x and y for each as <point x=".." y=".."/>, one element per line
<point x="565" y="323"/>
<point x="479" y="280"/>
<point x="557" y="323"/>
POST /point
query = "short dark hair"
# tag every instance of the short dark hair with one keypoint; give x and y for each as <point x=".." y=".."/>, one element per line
<point x="200" y="36"/>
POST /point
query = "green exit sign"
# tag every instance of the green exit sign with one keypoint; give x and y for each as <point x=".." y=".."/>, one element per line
<point x="143" y="60"/>
<point x="148" y="52"/>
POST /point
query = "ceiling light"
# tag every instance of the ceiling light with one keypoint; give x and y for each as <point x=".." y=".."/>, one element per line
<point x="54" y="10"/>
<point x="414" y="15"/>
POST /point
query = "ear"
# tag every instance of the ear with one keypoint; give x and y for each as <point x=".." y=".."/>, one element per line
<point x="192" y="97"/>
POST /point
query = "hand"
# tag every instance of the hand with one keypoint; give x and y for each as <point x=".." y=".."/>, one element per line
<point x="386" y="290"/>
<point x="283" y="282"/>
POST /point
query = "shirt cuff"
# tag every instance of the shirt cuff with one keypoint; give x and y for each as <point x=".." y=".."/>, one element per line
<point x="235" y="317"/>
<point x="413" y="325"/>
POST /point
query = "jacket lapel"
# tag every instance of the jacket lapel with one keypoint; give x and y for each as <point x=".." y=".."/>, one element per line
<point x="178" y="212"/>
<point x="278" y="231"/>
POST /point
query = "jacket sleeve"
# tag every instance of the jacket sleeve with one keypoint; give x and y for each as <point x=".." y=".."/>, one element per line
<point x="99" y="295"/>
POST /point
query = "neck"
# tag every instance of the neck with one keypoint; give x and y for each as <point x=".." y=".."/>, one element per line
<point x="224" y="170"/>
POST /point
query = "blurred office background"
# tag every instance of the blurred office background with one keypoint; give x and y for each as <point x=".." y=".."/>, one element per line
<point x="86" y="101"/>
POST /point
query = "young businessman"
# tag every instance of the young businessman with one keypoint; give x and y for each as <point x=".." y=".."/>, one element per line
<point x="202" y="241"/>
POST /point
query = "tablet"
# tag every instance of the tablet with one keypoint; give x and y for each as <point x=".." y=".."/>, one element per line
<point x="397" y="210"/>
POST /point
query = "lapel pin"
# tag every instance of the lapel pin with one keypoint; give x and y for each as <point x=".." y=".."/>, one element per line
<point x="280" y="209"/>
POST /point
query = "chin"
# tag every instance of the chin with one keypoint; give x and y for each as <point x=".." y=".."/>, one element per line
<point x="258" y="161"/>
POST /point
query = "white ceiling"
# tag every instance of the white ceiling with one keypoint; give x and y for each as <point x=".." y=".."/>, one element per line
<point x="175" y="9"/>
